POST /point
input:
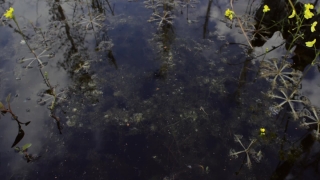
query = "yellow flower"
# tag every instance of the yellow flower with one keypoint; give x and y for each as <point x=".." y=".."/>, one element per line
<point x="266" y="8"/>
<point x="308" y="6"/>
<point x="313" y="25"/>
<point x="311" y="43"/>
<point x="229" y="14"/>
<point x="9" y="13"/>
<point x="262" y="131"/>
<point x="308" y="14"/>
<point x="293" y="14"/>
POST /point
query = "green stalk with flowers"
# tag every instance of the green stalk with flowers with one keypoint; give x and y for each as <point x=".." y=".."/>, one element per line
<point x="9" y="14"/>
<point x="285" y="81"/>
<point x="299" y="24"/>
<point x="230" y="14"/>
<point x="306" y="15"/>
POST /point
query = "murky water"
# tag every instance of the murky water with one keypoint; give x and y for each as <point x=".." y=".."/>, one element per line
<point x="146" y="90"/>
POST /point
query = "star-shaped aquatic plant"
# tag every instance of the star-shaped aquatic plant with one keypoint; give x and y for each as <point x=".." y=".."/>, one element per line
<point x="249" y="151"/>
<point x="166" y="18"/>
<point x="92" y="21"/>
<point x="282" y="72"/>
<point x="152" y="4"/>
<point x="37" y="57"/>
<point x="311" y="119"/>
<point x="82" y="66"/>
<point x="53" y="96"/>
<point x="290" y="99"/>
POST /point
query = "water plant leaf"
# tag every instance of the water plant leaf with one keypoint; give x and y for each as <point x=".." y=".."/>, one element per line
<point x="26" y="146"/>
<point x="19" y="137"/>
<point x="8" y="98"/>
<point x="17" y="149"/>
<point x="2" y="106"/>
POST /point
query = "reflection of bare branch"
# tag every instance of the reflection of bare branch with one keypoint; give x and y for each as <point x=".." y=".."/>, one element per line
<point x="188" y="3"/>
<point x="250" y="28"/>
<point x="105" y="45"/>
<point x="2" y="22"/>
<point x="240" y="23"/>
<point x="57" y="121"/>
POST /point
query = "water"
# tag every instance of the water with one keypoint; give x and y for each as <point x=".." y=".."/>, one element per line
<point x="136" y="100"/>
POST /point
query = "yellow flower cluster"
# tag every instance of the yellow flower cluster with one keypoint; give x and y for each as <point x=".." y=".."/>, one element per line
<point x="229" y="14"/>
<point x="9" y="13"/>
<point x="266" y="8"/>
<point x="307" y="13"/>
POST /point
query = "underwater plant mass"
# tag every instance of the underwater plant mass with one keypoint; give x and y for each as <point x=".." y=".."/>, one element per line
<point x="159" y="89"/>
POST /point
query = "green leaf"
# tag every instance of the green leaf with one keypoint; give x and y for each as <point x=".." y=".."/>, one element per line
<point x="17" y="149"/>
<point x="8" y="98"/>
<point x="2" y="106"/>
<point x="207" y="170"/>
<point x="26" y="146"/>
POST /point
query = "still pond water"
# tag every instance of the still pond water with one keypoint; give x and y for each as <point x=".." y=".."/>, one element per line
<point x="131" y="90"/>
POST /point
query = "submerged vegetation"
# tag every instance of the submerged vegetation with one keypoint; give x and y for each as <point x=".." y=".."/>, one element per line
<point x="249" y="151"/>
<point x="143" y="96"/>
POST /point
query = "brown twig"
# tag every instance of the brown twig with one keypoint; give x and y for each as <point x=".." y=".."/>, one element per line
<point x="240" y="24"/>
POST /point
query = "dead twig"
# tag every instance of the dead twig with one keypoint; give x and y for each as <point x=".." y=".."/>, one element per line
<point x="239" y="21"/>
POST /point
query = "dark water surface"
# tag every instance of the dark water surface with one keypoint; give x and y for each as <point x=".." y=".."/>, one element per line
<point x="136" y="100"/>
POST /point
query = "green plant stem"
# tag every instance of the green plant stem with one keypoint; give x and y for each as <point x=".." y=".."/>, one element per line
<point x="23" y="36"/>
<point x="44" y="77"/>
<point x="261" y="20"/>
